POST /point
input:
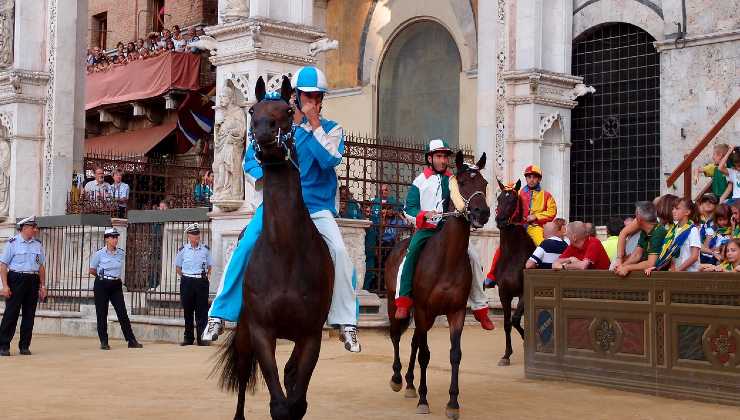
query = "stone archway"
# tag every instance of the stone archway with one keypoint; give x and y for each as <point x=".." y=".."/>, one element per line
<point x="419" y="85"/>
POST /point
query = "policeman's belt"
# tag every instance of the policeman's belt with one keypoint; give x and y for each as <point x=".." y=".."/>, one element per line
<point x="25" y="272"/>
<point x="193" y="276"/>
<point x="110" y="278"/>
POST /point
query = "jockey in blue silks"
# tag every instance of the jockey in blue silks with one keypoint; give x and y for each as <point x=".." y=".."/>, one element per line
<point x="319" y="145"/>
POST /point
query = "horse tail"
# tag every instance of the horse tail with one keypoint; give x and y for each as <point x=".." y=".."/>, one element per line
<point x="233" y="367"/>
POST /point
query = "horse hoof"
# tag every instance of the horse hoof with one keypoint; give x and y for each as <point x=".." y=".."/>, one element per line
<point x="422" y="409"/>
<point x="411" y="393"/>
<point x="395" y="387"/>
<point x="504" y="362"/>
<point x="452" y="413"/>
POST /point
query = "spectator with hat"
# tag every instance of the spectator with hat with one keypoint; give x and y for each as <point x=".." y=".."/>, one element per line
<point x="193" y="263"/>
<point x="22" y="283"/>
<point x="107" y="267"/>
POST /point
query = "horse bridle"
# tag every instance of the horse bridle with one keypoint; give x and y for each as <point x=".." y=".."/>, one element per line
<point x="284" y="140"/>
<point x="465" y="212"/>
<point x="517" y="211"/>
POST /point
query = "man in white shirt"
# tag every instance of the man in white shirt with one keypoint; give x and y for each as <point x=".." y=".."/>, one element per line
<point x="97" y="189"/>
<point x="119" y="192"/>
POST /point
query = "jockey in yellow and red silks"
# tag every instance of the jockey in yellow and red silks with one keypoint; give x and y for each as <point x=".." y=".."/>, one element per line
<point x="538" y="206"/>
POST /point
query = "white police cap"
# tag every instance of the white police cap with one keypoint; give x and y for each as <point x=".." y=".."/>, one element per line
<point x="111" y="232"/>
<point x="193" y="229"/>
<point x="27" y="221"/>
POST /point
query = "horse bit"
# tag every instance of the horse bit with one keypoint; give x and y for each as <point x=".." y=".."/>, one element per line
<point x="465" y="212"/>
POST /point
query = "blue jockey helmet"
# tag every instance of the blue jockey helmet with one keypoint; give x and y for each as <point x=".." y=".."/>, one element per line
<point x="310" y="79"/>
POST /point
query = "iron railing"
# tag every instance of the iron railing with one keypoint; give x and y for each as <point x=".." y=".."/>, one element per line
<point x="151" y="179"/>
<point x="152" y="242"/>
<point x="374" y="177"/>
<point x="69" y="243"/>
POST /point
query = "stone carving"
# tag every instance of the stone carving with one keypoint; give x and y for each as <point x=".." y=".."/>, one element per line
<point x="547" y="123"/>
<point x="606" y="336"/>
<point x="578" y="91"/>
<point x="4" y="178"/>
<point x="233" y="10"/>
<point x="324" y="44"/>
<point x="51" y="59"/>
<point x="231" y="131"/>
<point x="720" y="345"/>
<point x="7" y="24"/>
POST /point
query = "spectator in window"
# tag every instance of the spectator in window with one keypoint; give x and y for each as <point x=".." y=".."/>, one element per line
<point x="143" y="53"/>
<point x="119" y="191"/>
<point x="163" y="205"/>
<point x="169" y="45"/>
<point x="192" y="38"/>
<point x="90" y="61"/>
<point x="584" y="252"/>
<point x="349" y="208"/>
<point x="178" y="39"/>
<point x="682" y="245"/>
<point x="166" y="36"/>
<point x="204" y="189"/>
<point x="549" y="250"/>
<point x="651" y="237"/>
<point x="613" y="227"/>
<point x="130" y="48"/>
<point x="152" y="41"/>
<point x="97" y="189"/>
<point x="120" y="51"/>
<point x="140" y="44"/>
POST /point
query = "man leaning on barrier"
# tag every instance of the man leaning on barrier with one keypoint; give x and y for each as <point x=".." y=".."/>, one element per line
<point x="22" y="283"/>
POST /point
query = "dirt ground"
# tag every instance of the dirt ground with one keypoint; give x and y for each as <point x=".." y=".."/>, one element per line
<point x="69" y="378"/>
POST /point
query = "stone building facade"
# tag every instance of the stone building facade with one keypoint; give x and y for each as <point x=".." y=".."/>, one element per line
<point x="129" y="20"/>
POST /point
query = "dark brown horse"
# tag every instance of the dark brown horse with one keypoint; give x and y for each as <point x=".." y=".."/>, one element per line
<point x="516" y="247"/>
<point x="289" y="278"/>
<point x="441" y="286"/>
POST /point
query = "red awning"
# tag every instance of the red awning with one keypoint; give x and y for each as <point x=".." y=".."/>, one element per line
<point x="136" y="143"/>
<point x="143" y="79"/>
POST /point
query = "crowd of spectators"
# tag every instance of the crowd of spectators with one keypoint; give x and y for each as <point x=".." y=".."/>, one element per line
<point x="154" y="44"/>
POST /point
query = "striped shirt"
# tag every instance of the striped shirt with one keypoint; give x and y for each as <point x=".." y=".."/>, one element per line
<point x="548" y="252"/>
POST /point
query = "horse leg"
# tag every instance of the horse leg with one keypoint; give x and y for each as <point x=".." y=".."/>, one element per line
<point x="396" y="379"/>
<point x="290" y="371"/>
<point x="264" y="347"/>
<point x="240" y="399"/>
<point x="456" y="321"/>
<point x="410" y="388"/>
<point x="424" y="355"/>
<point x="516" y="320"/>
<point x="306" y="359"/>
<point x="506" y="305"/>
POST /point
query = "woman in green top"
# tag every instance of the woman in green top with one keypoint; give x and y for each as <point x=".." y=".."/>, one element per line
<point x="204" y="190"/>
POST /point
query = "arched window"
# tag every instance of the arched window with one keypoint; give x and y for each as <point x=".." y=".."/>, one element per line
<point x="419" y="85"/>
<point x="615" y="153"/>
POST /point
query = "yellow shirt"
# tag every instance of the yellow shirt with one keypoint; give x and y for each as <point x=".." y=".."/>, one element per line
<point x="610" y="246"/>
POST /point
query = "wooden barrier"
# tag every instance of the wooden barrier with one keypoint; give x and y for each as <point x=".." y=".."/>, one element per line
<point x="670" y="334"/>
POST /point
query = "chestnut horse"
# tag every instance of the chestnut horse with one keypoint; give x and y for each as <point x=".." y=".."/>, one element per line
<point x="289" y="277"/>
<point x="441" y="285"/>
<point x="516" y="248"/>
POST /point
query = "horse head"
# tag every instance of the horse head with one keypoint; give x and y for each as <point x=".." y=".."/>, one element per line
<point x="471" y="186"/>
<point x="508" y="208"/>
<point x="271" y="128"/>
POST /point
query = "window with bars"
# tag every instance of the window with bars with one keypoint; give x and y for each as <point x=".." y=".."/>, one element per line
<point x="615" y="133"/>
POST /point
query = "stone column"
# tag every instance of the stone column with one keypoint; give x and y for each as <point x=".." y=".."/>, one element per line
<point x="487" y="92"/>
<point x="540" y="93"/>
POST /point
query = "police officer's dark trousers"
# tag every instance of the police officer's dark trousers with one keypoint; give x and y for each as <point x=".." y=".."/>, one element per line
<point x="194" y="298"/>
<point x="24" y="289"/>
<point x="111" y="291"/>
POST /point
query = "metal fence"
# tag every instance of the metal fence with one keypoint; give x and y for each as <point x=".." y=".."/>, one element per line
<point x="151" y="179"/>
<point x="69" y="243"/>
<point x="152" y="242"/>
<point x="374" y="177"/>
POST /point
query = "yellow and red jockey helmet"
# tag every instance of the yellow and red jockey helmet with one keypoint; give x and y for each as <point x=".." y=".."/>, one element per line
<point x="533" y="170"/>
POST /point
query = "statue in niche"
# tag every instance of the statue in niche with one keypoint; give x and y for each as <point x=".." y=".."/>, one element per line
<point x="7" y="23"/>
<point x="231" y="130"/>
<point x="233" y="10"/>
<point x="4" y="178"/>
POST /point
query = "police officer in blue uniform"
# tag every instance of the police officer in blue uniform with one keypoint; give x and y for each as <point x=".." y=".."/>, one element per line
<point x="22" y="283"/>
<point x="193" y="264"/>
<point x="107" y="266"/>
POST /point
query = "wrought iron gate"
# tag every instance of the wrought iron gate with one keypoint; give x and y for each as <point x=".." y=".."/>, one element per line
<point x="615" y="153"/>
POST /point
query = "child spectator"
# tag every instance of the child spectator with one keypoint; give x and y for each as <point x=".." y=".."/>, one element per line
<point x="549" y="250"/>
<point x="682" y="244"/>
<point x="731" y="261"/>
<point x="716" y="235"/>
<point x="727" y="167"/>
<point x="584" y="252"/>
<point x="720" y="188"/>
<point x="707" y="204"/>
<point x="169" y="45"/>
<point x="613" y="227"/>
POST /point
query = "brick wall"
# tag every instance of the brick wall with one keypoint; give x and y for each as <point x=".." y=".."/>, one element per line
<point x="122" y="17"/>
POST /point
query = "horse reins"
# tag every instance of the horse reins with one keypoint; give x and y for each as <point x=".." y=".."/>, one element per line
<point x="465" y="212"/>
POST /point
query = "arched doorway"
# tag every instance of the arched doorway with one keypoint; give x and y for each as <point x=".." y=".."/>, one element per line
<point x="615" y="134"/>
<point x="419" y="85"/>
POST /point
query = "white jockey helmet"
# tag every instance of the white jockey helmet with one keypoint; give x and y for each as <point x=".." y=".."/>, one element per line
<point x="309" y="79"/>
